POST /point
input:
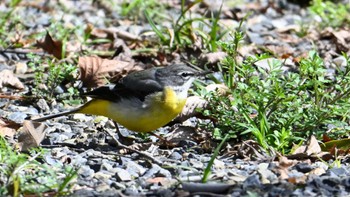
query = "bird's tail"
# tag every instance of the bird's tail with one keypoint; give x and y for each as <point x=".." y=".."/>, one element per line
<point x="55" y="115"/>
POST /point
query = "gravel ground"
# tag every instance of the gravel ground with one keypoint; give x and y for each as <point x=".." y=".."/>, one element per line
<point x="105" y="170"/>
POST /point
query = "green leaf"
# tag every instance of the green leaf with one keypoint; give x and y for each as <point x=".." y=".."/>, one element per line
<point x="343" y="144"/>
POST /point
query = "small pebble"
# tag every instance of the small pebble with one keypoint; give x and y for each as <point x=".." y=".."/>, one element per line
<point x="122" y="175"/>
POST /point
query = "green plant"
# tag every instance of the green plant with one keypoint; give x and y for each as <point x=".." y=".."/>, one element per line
<point x="276" y="108"/>
<point x="336" y="163"/>
<point x="135" y="8"/>
<point x="52" y="76"/>
<point x="8" y="22"/>
<point x="23" y="174"/>
<point x="304" y="28"/>
<point x="207" y="170"/>
<point x="187" y="30"/>
<point x="332" y="14"/>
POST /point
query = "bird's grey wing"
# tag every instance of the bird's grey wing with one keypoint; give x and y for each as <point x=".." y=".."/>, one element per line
<point x="104" y="92"/>
<point x="135" y="85"/>
<point x="142" y="83"/>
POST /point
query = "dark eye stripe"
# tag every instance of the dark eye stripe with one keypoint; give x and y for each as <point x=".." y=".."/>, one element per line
<point x="184" y="74"/>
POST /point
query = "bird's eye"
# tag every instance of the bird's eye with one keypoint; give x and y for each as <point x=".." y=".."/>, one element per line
<point x="186" y="74"/>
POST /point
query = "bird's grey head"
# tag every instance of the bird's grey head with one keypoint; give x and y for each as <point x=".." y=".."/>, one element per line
<point x="177" y="76"/>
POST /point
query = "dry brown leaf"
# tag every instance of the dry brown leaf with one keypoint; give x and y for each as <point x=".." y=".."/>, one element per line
<point x="312" y="147"/>
<point x="220" y="89"/>
<point x="283" y="167"/>
<point x="325" y="156"/>
<point x="21" y="68"/>
<point x="88" y="29"/>
<point x="299" y="156"/>
<point x="250" y="149"/>
<point x="195" y="102"/>
<point x="7" y="78"/>
<point x="318" y="171"/>
<point x="6" y="131"/>
<point x="285" y="162"/>
<point x="189" y="110"/>
<point x="303" y="152"/>
<point x="53" y="47"/>
<point x="298" y="179"/>
<point x="31" y="135"/>
<point x="289" y="28"/>
<point x="325" y="138"/>
<point x="125" y="35"/>
<point x="156" y="180"/>
<point x="110" y="33"/>
<point x="8" y="128"/>
<point x="181" y="133"/>
<point x="95" y="71"/>
<point x="212" y="58"/>
<point x="99" y="33"/>
<point x="280" y="50"/>
<point x="283" y="173"/>
<point x="342" y="40"/>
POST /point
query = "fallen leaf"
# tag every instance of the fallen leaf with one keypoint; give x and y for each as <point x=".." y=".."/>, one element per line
<point x="195" y="102"/>
<point x="96" y="71"/>
<point x="99" y="33"/>
<point x="21" y="68"/>
<point x="212" y="58"/>
<point x="279" y="50"/>
<point x="312" y="148"/>
<point x="190" y="109"/>
<point x="325" y="156"/>
<point x="283" y="167"/>
<point x="31" y="135"/>
<point x="317" y="171"/>
<point x="250" y="149"/>
<point x="53" y="47"/>
<point x="342" y="39"/>
<point x="125" y="35"/>
<point x="156" y="180"/>
<point x="299" y="156"/>
<point x="181" y="133"/>
<point x="88" y="29"/>
<point x="220" y="89"/>
<point x="7" y="78"/>
<point x="289" y="28"/>
<point x="8" y="127"/>
<point x="297" y="179"/>
<point x="285" y="162"/>
<point x="325" y="138"/>
<point x="163" y="181"/>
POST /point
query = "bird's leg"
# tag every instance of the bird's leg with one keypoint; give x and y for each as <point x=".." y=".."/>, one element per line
<point x="122" y="146"/>
<point x="122" y="140"/>
<point x="166" y="142"/>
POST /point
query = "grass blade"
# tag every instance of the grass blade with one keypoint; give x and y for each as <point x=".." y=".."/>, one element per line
<point x="207" y="170"/>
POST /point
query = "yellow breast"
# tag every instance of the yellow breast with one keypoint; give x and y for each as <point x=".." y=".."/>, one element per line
<point x="158" y="110"/>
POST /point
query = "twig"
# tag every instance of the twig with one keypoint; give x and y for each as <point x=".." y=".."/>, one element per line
<point x="12" y="97"/>
<point x="119" y="145"/>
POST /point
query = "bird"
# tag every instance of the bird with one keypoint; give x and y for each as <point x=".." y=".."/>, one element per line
<point x="142" y="101"/>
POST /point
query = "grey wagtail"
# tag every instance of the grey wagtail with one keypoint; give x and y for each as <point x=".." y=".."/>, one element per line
<point x="142" y="101"/>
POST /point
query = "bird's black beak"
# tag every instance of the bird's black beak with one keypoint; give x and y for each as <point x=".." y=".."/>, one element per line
<point x="203" y="73"/>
